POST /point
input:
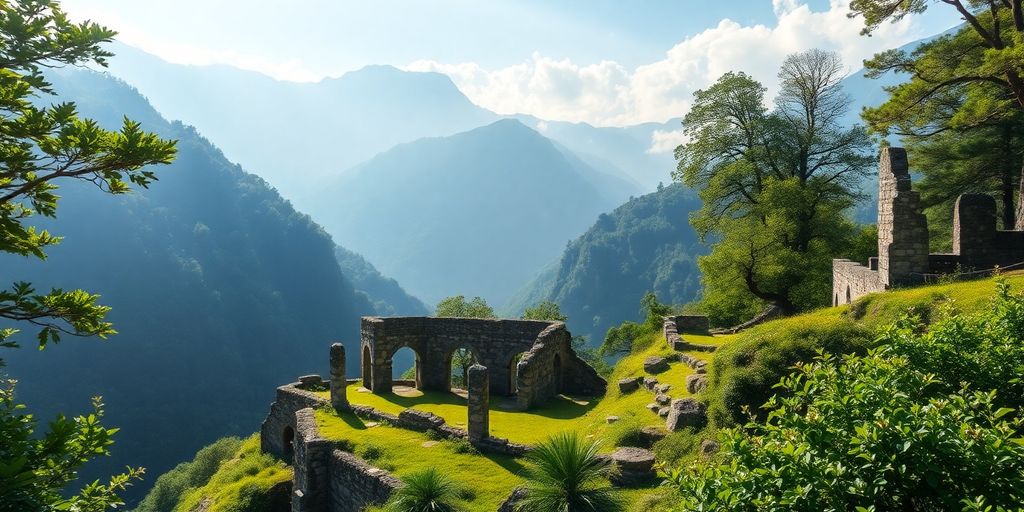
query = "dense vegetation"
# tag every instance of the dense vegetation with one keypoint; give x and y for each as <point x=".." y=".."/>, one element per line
<point x="928" y="421"/>
<point x="220" y="291"/>
<point x="644" y="245"/>
<point x="387" y="296"/>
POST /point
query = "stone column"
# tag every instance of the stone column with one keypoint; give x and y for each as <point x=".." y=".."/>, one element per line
<point x="338" y="382"/>
<point x="479" y="402"/>
<point x="902" y="227"/>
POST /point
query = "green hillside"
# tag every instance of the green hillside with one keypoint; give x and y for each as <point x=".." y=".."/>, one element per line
<point x="745" y="367"/>
<point x="220" y="290"/>
<point x="647" y="244"/>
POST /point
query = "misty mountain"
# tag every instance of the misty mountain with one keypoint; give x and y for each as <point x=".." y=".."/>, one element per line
<point x="290" y="133"/>
<point x="644" y="245"/>
<point x="475" y="213"/>
<point x="387" y="296"/>
<point x="220" y="291"/>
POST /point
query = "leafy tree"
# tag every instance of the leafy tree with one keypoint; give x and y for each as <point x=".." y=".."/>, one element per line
<point x="458" y="306"/>
<point x="774" y="184"/>
<point x="545" y="310"/>
<point x="39" y="146"/>
<point x="566" y="474"/>
<point x="961" y="111"/>
<point x="425" y="491"/>
<point x="620" y="338"/>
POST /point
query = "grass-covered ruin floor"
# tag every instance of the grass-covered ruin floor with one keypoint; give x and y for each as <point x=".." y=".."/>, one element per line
<point x="489" y="479"/>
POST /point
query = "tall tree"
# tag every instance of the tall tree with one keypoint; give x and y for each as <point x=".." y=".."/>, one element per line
<point x="774" y="184"/>
<point x="39" y="147"/>
<point x="963" y="102"/>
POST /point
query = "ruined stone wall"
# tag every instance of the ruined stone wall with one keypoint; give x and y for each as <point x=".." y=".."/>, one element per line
<point x="977" y="241"/>
<point x="902" y="227"/>
<point x="495" y="343"/>
<point x="851" y="281"/>
<point x="280" y="421"/>
<point x="552" y="367"/>
<point x="355" y="484"/>
<point x="310" y="473"/>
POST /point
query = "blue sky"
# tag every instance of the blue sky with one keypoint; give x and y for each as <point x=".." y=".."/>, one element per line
<point x="608" y="62"/>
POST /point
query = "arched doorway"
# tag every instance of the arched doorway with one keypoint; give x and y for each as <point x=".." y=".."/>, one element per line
<point x="405" y="366"/>
<point x="459" y="361"/>
<point x="287" y="443"/>
<point x="367" y="367"/>
<point x="848" y="299"/>
<point x="513" y="373"/>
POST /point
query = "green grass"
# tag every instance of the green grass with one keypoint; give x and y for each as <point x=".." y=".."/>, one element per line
<point x="240" y="483"/>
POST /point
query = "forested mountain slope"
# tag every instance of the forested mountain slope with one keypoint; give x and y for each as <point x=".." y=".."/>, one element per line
<point x="220" y="291"/>
<point x="476" y="213"/>
<point x="644" y="245"/>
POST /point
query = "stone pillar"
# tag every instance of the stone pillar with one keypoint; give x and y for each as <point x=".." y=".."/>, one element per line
<point x="974" y="230"/>
<point x="902" y="227"/>
<point x="479" y="402"/>
<point x="338" y="382"/>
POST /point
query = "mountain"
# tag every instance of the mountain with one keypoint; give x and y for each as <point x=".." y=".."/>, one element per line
<point x="644" y="245"/>
<point x="475" y="213"/>
<point x="290" y="133"/>
<point x="220" y="291"/>
<point x="387" y="296"/>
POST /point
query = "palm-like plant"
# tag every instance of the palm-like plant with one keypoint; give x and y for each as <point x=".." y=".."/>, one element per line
<point x="425" y="491"/>
<point x="566" y="475"/>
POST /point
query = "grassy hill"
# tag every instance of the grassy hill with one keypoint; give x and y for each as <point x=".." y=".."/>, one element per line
<point x="742" y="372"/>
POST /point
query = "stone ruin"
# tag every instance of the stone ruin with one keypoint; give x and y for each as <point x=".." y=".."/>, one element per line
<point x="532" y="360"/>
<point x="903" y="251"/>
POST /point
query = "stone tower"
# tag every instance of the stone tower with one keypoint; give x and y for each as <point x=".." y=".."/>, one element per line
<point x="902" y="228"/>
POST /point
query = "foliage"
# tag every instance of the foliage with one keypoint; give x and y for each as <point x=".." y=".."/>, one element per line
<point x="866" y="433"/>
<point x="425" y="491"/>
<point x="643" y="245"/>
<point x="35" y="467"/>
<point x="566" y="475"/>
<point x="961" y="109"/>
<point x="247" y="481"/>
<point x="545" y="310"/>
<point x="774" y="184"/>
<point x="42" y="145"/>
<point x="743" y="372"/>
<point x="620" y="339"/>
<point x="169" y="488"/>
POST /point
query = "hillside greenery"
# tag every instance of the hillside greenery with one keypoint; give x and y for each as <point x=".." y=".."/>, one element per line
<point x="219" y="291"/>
<point x="642" y="246"/>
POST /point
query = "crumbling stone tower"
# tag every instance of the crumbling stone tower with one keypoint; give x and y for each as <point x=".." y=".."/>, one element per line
<point x="902" y="228"/>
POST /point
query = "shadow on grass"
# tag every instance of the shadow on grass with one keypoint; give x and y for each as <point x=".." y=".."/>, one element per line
<point x="563" y="408"/>
<point x="428" y="397"/>
<point x="353" y="421"/>
<point x="508" y="463"/>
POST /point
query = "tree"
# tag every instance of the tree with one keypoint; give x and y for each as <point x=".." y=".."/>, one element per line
<point x="545" y="310"/>
<point x="39" y="147"/>
<point x="425" y="491"/>
<point x="774" y="184"/>
<point x="566" y="474"/>
<point x="459" y="307"/>
<point x="961" y="111"/>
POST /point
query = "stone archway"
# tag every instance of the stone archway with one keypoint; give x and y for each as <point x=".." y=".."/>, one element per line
<point x="287" y="443"/>
<point x="848" y="299"/>
<point x="416" y="366"/>
<point x="513" y="373"/>
<point x="458" y="362"/>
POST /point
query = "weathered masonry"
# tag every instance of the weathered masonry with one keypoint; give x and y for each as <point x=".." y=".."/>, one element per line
<point x="531" y="359"/>
<point x="903" y="257"/>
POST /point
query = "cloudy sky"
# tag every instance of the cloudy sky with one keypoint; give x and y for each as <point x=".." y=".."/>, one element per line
<point x="606" y="62"/>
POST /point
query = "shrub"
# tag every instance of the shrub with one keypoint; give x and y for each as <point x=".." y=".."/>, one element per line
<point x="678" y="447"/>
<point x="171" y="485"/>
<point x="567" y="475"/>
<point x="866" y="433"/>
<point x="743" y="373"/>
<point x="627" y="432"/>
<point x="425" y="491"/>
<point x="371" y="452"/>
<point x="460" y="445"/>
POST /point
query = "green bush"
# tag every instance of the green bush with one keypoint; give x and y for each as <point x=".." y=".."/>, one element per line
<point x="627" y="432"/>
<point x="371" y="452"/>
<point x="926" y="421"/>
<point x="679" y="447"/>
<point x="172" y="484"/>
<point x="743" y="373"/>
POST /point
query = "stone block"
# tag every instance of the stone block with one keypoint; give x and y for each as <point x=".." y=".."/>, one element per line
<point x="632" y="466"/>
<point x="656" y="364"/>
<point x="650" y="382"/>
<point x="662" y="399"/>
<point x="697" y="382"/>
<point x="419" y="420"/>
<point x="686" y="412"/>
<point x="628" y="385"/>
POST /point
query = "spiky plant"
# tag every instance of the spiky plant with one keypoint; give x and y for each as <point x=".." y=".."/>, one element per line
<point x="566" y="475"/>
<point x="425" y="491"/>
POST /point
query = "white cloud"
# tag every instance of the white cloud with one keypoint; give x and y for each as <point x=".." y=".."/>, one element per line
<point x="666" y="141"/>
<point x="608" y="94"/>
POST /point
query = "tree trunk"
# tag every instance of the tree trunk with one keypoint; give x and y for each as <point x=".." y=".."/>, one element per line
<point x="1019" y="221"/>
<point x="1008" y="199"/>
